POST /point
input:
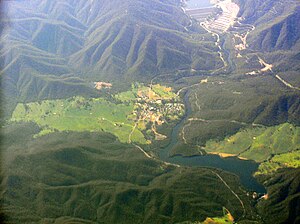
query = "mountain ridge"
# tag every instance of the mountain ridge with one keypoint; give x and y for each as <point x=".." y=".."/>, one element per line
<point x="87" y="42"/>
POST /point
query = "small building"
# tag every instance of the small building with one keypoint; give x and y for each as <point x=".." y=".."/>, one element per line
<point x="100" y="85"/>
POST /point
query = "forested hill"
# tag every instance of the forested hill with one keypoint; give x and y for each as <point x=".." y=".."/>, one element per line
<point x="54" y="49"/>
<point x="103" y="97"/>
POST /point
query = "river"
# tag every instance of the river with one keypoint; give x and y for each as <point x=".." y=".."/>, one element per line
<point x="243" y="168"/>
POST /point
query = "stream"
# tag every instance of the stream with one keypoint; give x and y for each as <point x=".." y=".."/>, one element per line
<point x="242" y="168"/>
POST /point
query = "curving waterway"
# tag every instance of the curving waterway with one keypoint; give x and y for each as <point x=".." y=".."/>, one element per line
<point x="243" y="168"/>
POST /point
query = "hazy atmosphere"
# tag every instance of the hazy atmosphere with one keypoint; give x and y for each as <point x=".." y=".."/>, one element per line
<point x="150" y="111"/>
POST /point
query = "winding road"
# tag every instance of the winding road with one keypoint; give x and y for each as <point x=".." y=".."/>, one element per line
<point x="224" y="182"/>
<point x="179" y="130"/>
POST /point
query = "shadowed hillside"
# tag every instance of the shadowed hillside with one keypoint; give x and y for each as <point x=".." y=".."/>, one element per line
<point x="283" y="206"/>
<point x="67" y="66"/>
<point x="55" y="49"/>
<point x="93" y="178"/>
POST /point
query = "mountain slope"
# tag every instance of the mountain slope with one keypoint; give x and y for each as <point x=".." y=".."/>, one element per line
<point x="283" y="205"/>
<point x="96" y="179"/>
<point x="262" y="83"/>
<point x="78" y="42"/>
<point x="277" y="31"/>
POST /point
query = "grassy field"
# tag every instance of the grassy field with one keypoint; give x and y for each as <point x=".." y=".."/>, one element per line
<point x="286" y="160"/>
<point x="259" y="143"/>
<point x="163" y="91"/>
<point x="154" y="92"/>
<point x="80" y="114"/>
<point x="227" y="218"/>
<point x="221" y="102"/>
<point x="125" y="116"/>
<point x="130" y="95"/>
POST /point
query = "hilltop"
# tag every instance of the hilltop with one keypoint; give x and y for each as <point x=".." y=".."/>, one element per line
<point x="55" y="49"/>
<point x="95" y="91"/>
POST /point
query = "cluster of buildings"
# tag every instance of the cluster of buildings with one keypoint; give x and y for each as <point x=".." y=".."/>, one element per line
<point x="201" y="14"/>
<point x="152" y="108"/>
<point x="218" y="18"/>
<point x="102" y="85"/>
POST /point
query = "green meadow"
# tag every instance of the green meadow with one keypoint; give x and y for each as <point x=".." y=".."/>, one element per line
<point x="118" y="116"/>
<point x="227" y="218"/>
<point x="259" y="143"/>
<point x="153" y="92"/>
<point x="131" y="94"/>
<point x="163" y="91"/>
<point x="286" y="160"/>
<point x="80" y="114"/>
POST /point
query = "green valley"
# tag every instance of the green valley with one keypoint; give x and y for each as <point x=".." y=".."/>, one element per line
<point x="84" y="177"/>
<point x="258" y="143"/>
<point x="148" y="111"/>
<point x="285" y="160"/>
<point x="129" y="115"/>
<point x="273" y="147"/>
<point x="227" y="218"/>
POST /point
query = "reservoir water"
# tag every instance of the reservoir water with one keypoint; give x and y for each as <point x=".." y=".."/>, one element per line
<point x="192" y="4"/>
<point x="242" y="168"/>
